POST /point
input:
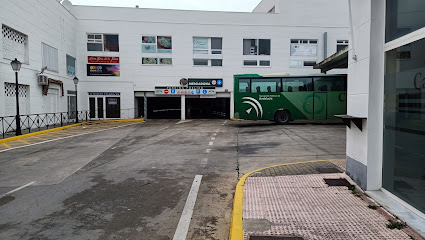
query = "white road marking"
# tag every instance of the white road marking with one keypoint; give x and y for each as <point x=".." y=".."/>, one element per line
<point x="213" y="138"/>
<point x="215" y="134"/>
<point x="208" y="151"/>
<point x="52" y="140"/>
<point x="164" y="128"/>
<point x="17" y="189"/>
<point x="204" y="162"/>
<point x="211" y="143"/>
<point x="183" y="226"/>
<point x="183" y="121"/>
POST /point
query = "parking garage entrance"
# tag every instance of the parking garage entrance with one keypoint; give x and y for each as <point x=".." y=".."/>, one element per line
<point x="196" y="107"/>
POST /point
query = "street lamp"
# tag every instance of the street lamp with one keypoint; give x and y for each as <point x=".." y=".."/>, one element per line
<point x="16" y="66"/>
<point x="76" y="97"/>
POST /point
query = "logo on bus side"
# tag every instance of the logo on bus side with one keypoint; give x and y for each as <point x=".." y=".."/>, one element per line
<point x="255" y="104"/>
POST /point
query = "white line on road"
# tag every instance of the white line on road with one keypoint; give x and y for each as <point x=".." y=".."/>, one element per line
<point x="208" y="150"/>
<point x="213" y="138"/>
<point x="17" y="189"/>
<point x="211" y="143"/>
<point x="215" y="134"/>
<point x="183" y="121"/>
<point x="183" y="226"/>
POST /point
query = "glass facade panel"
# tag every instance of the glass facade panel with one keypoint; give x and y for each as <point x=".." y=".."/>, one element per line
<point x="404" y="125"/>
<point x="403" y="17"/>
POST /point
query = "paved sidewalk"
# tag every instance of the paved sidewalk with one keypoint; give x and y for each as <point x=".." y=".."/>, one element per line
<point x="293" y="201"/>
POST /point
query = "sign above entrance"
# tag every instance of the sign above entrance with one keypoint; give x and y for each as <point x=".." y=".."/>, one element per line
<point x="194" y="82"/>
<point x="101" y="59"/>
<point x="104" y="93"/>
<point x="202" y="91"/>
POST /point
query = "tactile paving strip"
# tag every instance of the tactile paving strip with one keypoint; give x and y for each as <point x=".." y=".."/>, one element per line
<point x="303" y="205"/>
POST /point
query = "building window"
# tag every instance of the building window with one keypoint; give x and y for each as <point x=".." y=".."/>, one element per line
<point x="50" y="58"/>
<point x="257" y="63"/>
<point x="204" y="45"/>
<point x="14" y="44"/>
<point x="341" y="45"/>
<point x="256" y="46"/>
<point x="404" y="128"/>
<point x="102" y="42"/>
<point x="70" y="65"/>
<point x="304" y="48"/>
<point x="403" y="17"/>
<point x="200" y="62"/>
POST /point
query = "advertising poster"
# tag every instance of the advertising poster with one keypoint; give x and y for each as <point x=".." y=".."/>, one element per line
<point x="200" y="43"/>
<point x="303" y="50"/>
<point x="148" y="39"/>
<point x="164" y="44"/>
<point x="102" y="59"/>
<point x="166" y="61"/>
<point x="103" y="70"/>
<point x="149" y="61"/>
<point x="148" y="48"/>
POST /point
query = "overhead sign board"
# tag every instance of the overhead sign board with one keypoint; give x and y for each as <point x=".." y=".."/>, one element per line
<point x="101" y="59"/>
<point x="103" y="70"/>
<point x="200" y="91"/>
<point x="194" y="82"/>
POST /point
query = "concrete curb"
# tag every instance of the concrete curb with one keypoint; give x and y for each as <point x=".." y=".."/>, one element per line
<point x="236" y="229"/>
<point x="62" y="128"/>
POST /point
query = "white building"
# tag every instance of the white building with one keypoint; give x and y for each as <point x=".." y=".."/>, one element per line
<point x="120" y="55"/>
<point x="386" y="91"/>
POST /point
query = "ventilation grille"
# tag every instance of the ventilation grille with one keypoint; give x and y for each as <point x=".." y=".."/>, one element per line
<point x="10" y="91"/>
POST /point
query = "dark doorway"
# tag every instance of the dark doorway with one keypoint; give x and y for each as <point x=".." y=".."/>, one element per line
<point x="113" y="107"/>
<point x="207" y="108"/>
<point x="164" y="108"/>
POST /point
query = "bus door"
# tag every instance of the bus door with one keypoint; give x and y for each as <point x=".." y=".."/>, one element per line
<point x="320" y="107"/>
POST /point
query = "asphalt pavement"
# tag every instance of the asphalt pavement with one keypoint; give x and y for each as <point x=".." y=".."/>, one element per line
<point x="137" y="181"/>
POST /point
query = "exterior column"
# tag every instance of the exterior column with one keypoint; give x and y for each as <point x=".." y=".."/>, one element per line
<point x="145" y="106"/>
<point x="183" y="107"/>
<point x="232" y="105"/>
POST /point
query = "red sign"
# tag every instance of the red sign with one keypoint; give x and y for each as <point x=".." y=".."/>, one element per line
<point x="419" y="82"/>
<point x="166" y="91"/>
<point x="97" y="59"/>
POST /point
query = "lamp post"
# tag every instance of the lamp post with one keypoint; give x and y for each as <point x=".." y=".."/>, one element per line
<point x="16" y="66"/>
<point x="76" y="97"/>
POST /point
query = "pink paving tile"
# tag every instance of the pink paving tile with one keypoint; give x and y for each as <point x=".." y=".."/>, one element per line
<point x="303" y="205"/>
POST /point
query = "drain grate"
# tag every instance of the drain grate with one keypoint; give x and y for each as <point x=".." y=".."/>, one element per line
<point x="337" y="182"/>
<point x="328" y="170"/>
<point x="274" y="238"/>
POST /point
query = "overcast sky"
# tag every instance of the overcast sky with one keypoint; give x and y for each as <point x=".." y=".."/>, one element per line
<point x="209" y="5"/>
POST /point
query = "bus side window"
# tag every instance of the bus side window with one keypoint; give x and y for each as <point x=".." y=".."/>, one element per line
<point x="329" y="84"/>
<point x="297" y="84"/>
<point x="244" y="85"/>
<point x="266" y="85"/>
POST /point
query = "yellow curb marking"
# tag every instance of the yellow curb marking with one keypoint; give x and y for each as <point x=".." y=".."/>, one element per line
<point x="38" y="133"/>
<point x="23" y="141"/>
<point x="236" y="119"/>
<point x="236" y="229"/>
<point x="6" y="145"/>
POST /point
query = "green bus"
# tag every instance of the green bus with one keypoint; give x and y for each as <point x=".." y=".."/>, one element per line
<point x="284" y="98"/>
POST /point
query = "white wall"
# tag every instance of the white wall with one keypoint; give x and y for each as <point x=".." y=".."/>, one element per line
<point x="42" y="21"/>
<point x="51" y="23"/>
<point x="132" y="23"/>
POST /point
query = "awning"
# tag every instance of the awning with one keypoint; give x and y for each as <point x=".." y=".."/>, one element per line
<point x="338" y="60"/>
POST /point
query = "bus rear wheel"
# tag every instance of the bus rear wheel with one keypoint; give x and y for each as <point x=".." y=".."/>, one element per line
<point x="282" y="117"/>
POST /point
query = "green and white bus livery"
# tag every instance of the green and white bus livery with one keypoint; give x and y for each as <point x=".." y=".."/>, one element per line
<point x="284" y="98"/>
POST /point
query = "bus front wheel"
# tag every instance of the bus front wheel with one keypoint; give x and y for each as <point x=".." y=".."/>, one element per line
<point x="282" y="117"/>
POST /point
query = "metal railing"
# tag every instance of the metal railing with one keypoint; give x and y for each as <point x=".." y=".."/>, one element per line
<point x="37" y="122"/>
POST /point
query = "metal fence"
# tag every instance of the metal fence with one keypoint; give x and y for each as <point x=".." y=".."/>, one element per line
<point x="37" y="122"/>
